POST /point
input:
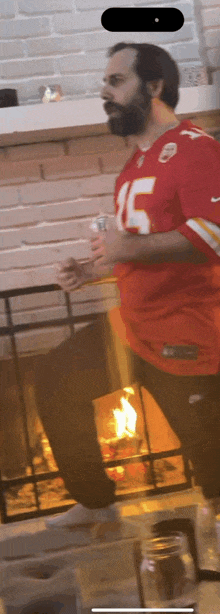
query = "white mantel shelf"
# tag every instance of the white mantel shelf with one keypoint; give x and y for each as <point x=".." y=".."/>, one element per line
<point x="66" y="119"/>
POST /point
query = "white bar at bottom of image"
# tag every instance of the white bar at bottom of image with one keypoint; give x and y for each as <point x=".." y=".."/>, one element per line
<point x="159" y="610"/>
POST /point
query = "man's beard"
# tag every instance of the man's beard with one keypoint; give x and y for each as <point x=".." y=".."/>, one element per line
<point x="130" y="119"/>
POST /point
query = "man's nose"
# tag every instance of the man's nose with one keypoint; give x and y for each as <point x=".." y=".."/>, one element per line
<point x="105" y="92"/>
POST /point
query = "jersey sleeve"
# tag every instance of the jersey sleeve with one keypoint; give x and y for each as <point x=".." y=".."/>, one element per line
<point x="199" y="194"/>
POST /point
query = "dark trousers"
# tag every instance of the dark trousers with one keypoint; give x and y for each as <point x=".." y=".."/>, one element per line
<point x="191" y="405"/>
<point x="70" y="377"/>
<point x="67" y="380"/>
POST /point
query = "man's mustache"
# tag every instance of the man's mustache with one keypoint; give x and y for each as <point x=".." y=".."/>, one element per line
<point x="109" y="107"/>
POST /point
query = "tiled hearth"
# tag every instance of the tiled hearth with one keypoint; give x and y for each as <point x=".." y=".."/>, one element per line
<point x="39" y="564"/>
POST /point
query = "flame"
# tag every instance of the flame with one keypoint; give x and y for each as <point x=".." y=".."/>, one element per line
<point x="126" y="417"/>
<point x="129" y="390"/>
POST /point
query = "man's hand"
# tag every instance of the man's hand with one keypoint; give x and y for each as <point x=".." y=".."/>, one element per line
<point x="71" y="275"/>
<point x="110" y="247"/>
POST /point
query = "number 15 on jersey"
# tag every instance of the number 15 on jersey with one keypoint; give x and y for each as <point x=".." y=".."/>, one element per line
<point x="135" y="218"/>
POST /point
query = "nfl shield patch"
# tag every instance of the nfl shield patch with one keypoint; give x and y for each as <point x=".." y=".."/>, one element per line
<point x="169" y="150"/>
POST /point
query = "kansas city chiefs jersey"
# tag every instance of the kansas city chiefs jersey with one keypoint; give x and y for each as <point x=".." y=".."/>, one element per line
<point x="172" y="311"/>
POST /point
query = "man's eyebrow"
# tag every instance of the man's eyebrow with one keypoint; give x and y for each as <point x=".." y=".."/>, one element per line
<point x="116" y="74"/>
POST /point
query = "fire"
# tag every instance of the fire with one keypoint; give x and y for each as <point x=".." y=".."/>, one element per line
<point x="126" y="417"/>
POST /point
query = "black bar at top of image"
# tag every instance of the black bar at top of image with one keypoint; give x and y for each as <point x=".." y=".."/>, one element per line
<point x="142" y="19"/>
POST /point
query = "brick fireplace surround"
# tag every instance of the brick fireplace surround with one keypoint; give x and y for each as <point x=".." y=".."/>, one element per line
<point x="55" y="181"/>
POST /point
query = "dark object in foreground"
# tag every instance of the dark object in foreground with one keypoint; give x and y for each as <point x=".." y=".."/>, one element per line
<point x="8" y="98"/>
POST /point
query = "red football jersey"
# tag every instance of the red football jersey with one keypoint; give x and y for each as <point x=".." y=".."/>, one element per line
<point x="172" y="310"/>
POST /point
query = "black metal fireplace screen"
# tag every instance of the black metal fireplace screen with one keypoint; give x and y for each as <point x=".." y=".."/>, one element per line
<point x="139" y="458"/>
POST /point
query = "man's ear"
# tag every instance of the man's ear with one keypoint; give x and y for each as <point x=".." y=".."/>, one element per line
<point x="155" y="88"/>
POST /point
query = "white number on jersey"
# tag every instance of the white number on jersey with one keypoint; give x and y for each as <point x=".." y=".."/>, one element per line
<point x="135" y="218"/>
<point x="195" y="133"/>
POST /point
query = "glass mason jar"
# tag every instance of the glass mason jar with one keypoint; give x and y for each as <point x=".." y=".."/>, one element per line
<point x="167" y="573"/>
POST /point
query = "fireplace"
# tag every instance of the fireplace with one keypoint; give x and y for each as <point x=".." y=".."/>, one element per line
<point x="139" y="450"/>
<point x="126" y="442"/>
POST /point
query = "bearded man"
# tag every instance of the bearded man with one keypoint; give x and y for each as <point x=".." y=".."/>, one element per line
<point x="164" y="251"/>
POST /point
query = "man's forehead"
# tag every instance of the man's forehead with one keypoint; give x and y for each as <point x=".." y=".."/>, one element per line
<point x="121" y="62"/>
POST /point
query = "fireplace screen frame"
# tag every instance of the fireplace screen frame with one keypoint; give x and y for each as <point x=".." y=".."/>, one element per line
<point x="34" y="478"/>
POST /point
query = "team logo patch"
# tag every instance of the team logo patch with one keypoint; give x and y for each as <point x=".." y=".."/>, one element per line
<point x="140" y="161"/>
<point x="169" y="150"/>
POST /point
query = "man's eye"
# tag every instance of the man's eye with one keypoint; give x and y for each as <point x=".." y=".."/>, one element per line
<point x="116" y="80"/>
<point x="113" y="81"/>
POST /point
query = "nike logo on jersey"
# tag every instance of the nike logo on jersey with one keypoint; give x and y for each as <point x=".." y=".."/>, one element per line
<point x="214" y="200"/>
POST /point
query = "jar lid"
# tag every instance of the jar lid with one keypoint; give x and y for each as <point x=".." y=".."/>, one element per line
<point x="163" y="545"/>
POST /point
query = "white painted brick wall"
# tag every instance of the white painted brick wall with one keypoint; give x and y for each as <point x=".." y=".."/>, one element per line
<point x="211" y="32"/>
<point x="7" y="9"/>
<point x="26" y="68"/>
<point x="49" y="192"/>
<point x="24" y="28"/>
<point x="19" y="172"/>
<point x="47" y="220"/>
<point x="79" y="166"/>
<point x="35" y="151"/>
<point x="30" y="7"/>
<point x="63" y="42"/>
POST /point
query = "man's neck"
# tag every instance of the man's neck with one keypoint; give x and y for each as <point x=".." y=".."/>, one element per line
<point x="161" y="119"/>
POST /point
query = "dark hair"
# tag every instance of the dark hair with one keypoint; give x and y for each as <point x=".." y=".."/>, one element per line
<point x="151" y="64"/>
